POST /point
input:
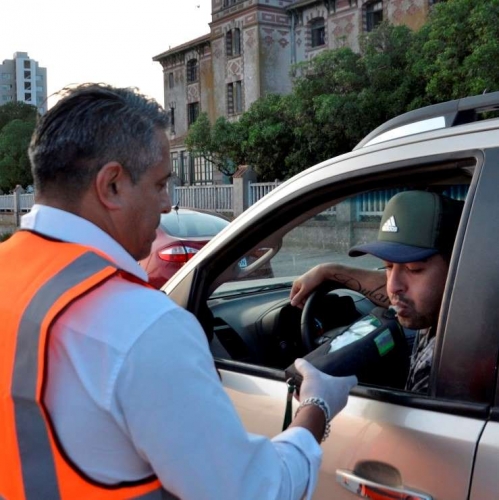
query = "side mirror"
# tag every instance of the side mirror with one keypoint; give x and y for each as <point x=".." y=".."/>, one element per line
<point x="256" y="263"/>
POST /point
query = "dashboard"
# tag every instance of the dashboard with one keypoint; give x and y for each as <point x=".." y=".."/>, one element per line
<point x="259" y="326"/>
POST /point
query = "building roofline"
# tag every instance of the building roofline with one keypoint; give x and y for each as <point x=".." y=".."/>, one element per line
<point x="302" y="3"/>
<point x="184" y="47"/>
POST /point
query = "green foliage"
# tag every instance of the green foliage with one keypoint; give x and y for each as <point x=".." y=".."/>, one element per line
<point x="16" y="111"/>
<point x="457" y="53"/>
<point x="340" y="96"/>
<point x="331" y="72"/>
<point x="218" y="144"/>
<point x="267" y="136"/>
<point x="391" y="82"/>
<point x="17" y="122"/>
<point x="14" y="162"/>
<point x="323" y="107"/>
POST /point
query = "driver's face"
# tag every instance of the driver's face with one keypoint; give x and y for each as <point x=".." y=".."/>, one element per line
<point x="416" y="290"/>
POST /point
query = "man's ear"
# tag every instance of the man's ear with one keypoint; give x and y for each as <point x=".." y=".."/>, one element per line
<point x="110" y="184"/>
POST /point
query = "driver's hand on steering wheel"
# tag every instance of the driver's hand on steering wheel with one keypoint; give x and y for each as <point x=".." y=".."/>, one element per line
<point x="305" y="285"/>
<point x="316" y="384"/>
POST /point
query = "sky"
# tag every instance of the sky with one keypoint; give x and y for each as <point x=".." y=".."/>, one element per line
<point x="106" y="41"/>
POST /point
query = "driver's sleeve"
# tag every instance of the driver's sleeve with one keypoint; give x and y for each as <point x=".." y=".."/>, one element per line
<point x="182" y="422"/>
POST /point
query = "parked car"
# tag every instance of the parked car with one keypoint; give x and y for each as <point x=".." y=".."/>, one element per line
<point x="387" y="442"/>
<point x="179" y="236"/>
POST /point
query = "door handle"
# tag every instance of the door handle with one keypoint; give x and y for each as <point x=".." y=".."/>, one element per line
<point x="365" y="488"/>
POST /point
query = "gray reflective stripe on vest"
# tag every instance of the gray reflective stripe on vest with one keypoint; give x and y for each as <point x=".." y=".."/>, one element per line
<point x="37" y="462"/>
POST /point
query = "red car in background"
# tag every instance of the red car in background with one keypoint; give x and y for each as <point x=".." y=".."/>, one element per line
<point x="180" y="234"/>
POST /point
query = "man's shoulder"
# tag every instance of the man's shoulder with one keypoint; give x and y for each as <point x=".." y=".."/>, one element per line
<point x="118" y="312"/>
<point x="134" y="299"/>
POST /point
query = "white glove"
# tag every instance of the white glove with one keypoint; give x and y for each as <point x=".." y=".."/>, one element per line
<point x="316" y="384"/>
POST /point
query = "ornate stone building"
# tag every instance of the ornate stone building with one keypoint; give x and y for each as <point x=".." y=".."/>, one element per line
<point x="248" y="53"/>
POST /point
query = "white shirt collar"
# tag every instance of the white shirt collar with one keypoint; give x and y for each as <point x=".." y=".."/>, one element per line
<point x="65" y="226"/>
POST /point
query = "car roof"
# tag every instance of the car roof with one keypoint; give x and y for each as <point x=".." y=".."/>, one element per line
<point x="443" y="115"/>
<point x="176" y="209"/>
<point x="184" y="210"/>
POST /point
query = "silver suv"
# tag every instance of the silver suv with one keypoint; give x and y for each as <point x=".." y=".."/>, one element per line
<point x="388" y="443"/>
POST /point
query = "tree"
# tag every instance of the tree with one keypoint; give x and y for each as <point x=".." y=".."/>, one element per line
<point x="341" y="95"/>
<point x="218" y="144"/>
<point x="17" y="122"/>
<point x="266" y="132"/>
<point x="16" y="110"/>
<point x="14" y="162"/>
<point x="457" y="51"/>
<point x="324" y="90"/>
<point x="392" y="85"/>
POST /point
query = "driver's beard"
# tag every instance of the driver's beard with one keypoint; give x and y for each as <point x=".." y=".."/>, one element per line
<point x="415" y="320"/>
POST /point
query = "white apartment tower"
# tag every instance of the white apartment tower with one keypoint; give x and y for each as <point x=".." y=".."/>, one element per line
<point x="21" y="79"/>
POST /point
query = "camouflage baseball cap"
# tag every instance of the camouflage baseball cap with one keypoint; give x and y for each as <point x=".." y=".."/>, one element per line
<point x="415" y="225"/>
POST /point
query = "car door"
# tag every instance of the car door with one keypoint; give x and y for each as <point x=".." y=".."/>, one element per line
<point x="485" y="478"/>
<point x="387" y="443"/>
<point x="474" y="323"/>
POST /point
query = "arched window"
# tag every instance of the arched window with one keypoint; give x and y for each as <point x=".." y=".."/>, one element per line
<point x="318" y="32"/>
<point x="234" y="98"/>
<point x="192" y="112"/>
<point x="192" y="70"/>
<point x="233" y="42"/>
<point x="236" y="42"/>
<point x="374" y="14"/>
<point x="228" y="43"/>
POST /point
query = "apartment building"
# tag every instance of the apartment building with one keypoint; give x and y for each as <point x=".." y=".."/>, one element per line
<point x="248" y="53"/>
<point x="22" y="79"/>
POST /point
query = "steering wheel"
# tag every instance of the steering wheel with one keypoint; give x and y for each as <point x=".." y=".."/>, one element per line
<point x="308" y="320"/>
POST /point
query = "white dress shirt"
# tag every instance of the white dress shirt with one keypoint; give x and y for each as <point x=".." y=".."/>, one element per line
<point x="132" y="391"/>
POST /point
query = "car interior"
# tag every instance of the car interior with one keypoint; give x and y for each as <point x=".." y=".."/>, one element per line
<point x="247" y="313"/>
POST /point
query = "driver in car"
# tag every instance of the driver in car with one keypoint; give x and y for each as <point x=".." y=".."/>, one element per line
<point x="415" y="241"/>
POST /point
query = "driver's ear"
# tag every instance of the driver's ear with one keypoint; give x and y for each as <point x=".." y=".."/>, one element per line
<point x="111" y="185"/>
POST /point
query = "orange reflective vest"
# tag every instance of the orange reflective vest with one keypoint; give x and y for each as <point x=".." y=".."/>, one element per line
<point x="39" y="278"/>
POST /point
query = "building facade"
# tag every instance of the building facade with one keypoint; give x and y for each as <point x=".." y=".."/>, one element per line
<point x="248" y="53"/>
<point x="22" y="79"/>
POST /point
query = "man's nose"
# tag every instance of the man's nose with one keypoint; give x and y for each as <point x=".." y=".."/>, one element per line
<point x="395" y="281"/>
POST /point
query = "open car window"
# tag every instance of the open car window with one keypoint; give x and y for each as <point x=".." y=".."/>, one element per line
<point x="253" y="320"/>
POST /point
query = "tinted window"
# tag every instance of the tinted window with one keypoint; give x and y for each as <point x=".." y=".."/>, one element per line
<point x="192" y="224"/>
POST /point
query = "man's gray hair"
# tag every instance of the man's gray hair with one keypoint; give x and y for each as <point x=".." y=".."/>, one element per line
<point x="91" y="125"/>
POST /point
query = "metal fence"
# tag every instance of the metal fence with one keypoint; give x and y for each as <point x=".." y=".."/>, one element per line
<point x="258" y="190"/>
<point x="373" y="203"/>
<point x="26" y="201"/>
<point x="217" y="197"/>
<point x="8" y="202"/>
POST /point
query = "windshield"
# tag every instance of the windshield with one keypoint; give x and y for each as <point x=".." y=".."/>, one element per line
<point x="232" y="288"/>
